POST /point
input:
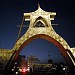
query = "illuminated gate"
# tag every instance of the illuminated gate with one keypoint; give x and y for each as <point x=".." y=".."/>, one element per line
<point x="41" y="27"/>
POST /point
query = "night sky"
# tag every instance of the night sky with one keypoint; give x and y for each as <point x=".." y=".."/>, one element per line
<point x="11" y="14"/>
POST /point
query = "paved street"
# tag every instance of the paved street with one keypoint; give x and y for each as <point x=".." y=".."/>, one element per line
<point x="40" y="73"/>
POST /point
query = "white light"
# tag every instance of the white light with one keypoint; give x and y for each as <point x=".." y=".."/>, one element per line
<point x="12" y="69"/>
<point x="64" y="68"/>
<point x="20" y="70"/>
<point x="16" y="73"/>
<point x="28" y="69"/>
<point x="15" y="63"/>
<point x="54" y="68"/>
<point x="14" y="66"/>
<point x="28" y="65"/>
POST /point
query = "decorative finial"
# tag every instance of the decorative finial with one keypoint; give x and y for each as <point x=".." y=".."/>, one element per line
<point x="38" y="5"/>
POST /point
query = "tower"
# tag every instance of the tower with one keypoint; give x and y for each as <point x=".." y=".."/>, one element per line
<point x="49" y="59"/>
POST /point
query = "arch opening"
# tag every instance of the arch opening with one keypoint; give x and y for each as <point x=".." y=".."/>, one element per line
<point x="40" y="20"/>
<point x="39" y="24"/>
<point x="43" y="50"/>
<point x="50" y="39"/>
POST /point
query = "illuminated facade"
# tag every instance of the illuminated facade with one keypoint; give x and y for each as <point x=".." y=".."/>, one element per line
<point x="41" y="27"/>
<point x="32" y="60"/>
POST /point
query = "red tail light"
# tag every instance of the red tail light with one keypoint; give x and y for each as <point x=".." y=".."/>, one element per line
<point x="23" y="70"/>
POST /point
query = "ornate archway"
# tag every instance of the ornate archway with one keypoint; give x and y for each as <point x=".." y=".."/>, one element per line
<point x="50" y="39"/>
<point x="46" y="32"/>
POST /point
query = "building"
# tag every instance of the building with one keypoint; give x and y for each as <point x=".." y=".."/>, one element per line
<point x="22" y="61"/>
<point x="31" y="60"/>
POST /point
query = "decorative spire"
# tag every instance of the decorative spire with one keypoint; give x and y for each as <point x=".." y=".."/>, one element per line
<point x="38" y="5"/>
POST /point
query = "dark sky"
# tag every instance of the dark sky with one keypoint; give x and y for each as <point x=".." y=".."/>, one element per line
<point x="11" y="14"/>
